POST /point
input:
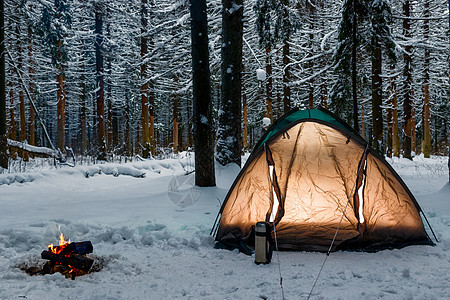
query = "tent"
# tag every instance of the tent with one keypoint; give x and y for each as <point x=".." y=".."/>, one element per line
<point x="311" y="174"/>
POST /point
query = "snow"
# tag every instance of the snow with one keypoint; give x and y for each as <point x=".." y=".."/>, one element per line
<point x="155" y="245"/>
<point x="203" y="119"/>
<point x="234" y="7"/>
<point x="260" y="74"/>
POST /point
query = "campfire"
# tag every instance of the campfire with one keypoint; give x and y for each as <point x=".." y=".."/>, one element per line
<point x="67" y="258"/>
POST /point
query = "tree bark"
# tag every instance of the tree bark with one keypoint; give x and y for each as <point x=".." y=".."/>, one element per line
<point x="377" y="115"/>
<point x="363" y="124"/>
<point x="311" y="9"/>
<point x="244" y="111"/>
<point x="286" y="77"/>
<point x="23" y="121"/>
<point x="269" y="83"/>
<point x="151" y="109"/>
<point x="390" y="127"/>
<point x="176" y="101"/>
<point x="354" y="81"/>
<point x="31" y="72"/>
<point x="229" y="133"/>
<point x="202" y="116"/>
<point x="3" y="134"/>
<point x="127" y="138"/>
<point x="426" y="144"/>
<point x="12" y="118"/>
<point x="110" y="128"/>
<point x="324" y="93"/>
<point x="61" y="104"/>
<point x="101" y="141"/>
<point x="407" y="75"/>
<point x="83" y="116"/>
<point x="413" y="125"/>
<point x="144" y="87"/>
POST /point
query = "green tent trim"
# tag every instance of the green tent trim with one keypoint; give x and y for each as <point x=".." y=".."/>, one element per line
<point x="295" y="115"/>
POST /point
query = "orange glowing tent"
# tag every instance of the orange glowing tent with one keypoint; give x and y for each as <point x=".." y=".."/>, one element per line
<point x="310" y="174"/>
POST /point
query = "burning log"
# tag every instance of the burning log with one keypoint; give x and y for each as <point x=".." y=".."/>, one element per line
<point x="73" y="260"/>
<point x="67" y="258"/>
<point x="82" y="248"/>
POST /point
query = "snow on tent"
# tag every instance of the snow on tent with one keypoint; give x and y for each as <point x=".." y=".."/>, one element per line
<point x="311" y="174"/>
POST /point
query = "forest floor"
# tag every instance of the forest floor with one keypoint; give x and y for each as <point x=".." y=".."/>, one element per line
<point x="152" y="236"/>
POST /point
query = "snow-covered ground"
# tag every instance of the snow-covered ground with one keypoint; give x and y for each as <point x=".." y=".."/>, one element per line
<point x="153" y="235"/>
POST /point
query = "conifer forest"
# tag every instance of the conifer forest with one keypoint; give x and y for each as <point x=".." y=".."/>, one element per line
<point x="109" y="79"/>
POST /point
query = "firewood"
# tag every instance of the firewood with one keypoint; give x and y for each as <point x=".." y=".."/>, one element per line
<point x="77" y="248"/>
<point x="74" y="260"/>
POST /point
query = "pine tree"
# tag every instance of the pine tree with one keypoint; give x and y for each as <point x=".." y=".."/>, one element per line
<point x="229" y="132"/>
<point x="345" y="61"/>
<point x="408" y="84"/>
<point x="426" y="144"/>
<point x="353" y="32"/>
<point x="380" y="15"/>
<point x="100" y="98"/>
<point x="203" y="133"/>
<point x="286" y="23"/>
<point x="144" y="88"/>
<point x="264" y="9"/>
<point x="55" y="22"/>
<point x="3" y="137"/>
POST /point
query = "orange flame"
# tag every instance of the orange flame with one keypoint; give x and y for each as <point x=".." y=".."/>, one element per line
<point x="62" y="242"/>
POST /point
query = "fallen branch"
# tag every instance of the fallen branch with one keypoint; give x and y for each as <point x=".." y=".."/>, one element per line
<point x="34" y="149"/>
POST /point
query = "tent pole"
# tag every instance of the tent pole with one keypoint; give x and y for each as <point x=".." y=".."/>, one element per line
<point x="278" y="258"/>
<point x="432" y="231"/>
<point x="212" y="229"/>
<point x="271" y="191"/>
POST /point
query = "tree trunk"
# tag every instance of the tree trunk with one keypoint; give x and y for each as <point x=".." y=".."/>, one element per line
<point x="144" y="87"/>
<point x="83" y="116"/>
<point x="279" y="105"/>
<point x="12" y="117"/>
<point x="109" y="131"/>
<point x="151" y="104"/>
<point x="3" y="136"/>
<point x="377" y="115"/>
<point x="354" y="83"/>
<point x="269" y="84"/>
<point x="203" y="129"/>
<point x="101" y="141"/>
<point x="244" y="111"/>
<point x="324" y="93"/>
<point x="394" y="105"/>
<point x="413" y="125"/>
<point x="127" y="137"/>
<point x="176" y="101"/>
<point x="115" y="125"/>
<point x="426" y="149"/>
<point x="407" y="75"/>
<point x="311" y="18"/>
<point x="61" y="104"/>
<point x="31" y="72"/>
<point x="363" y="124"/>
<point x="390" y="123"/>
<point x="23" y="121"/>
<point x="286" y="77"/>
<point x="229" y="133"/>
<point x="190" y="123"/>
